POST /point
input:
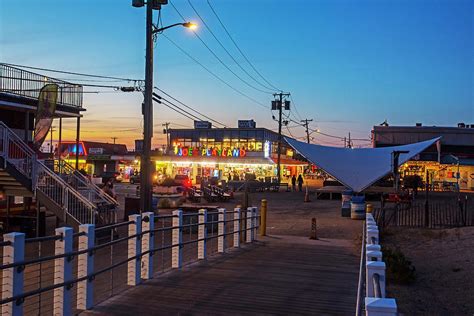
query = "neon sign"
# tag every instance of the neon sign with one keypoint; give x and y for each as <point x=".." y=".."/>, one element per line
<point x="209" y="152"/>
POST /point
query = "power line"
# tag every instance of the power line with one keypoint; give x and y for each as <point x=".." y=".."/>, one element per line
<point x="71" y="73"/>
<point x="189" y="107"/>
<point x="176" y="106"/>
<point x="217" y="57"/>
<point x="238" y="48"/>
<point x="213" y="74"/>
<point x="172" y="108"/>
<point x="228" y="53"/>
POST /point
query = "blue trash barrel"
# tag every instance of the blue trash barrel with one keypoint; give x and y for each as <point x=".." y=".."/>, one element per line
<point x="358" y="207"/>
<point x="346" y="203"/>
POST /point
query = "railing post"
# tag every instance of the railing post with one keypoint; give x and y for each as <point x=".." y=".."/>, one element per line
<point x="12" y="278"/>
<point x="373" y="254"/>
<point x="237" y="227"/>
<point x="202" y="234"/>
<point x="62" y="300"/>
<point x="249" y="228"/>
<point x="372" y="232"/>
<point x="380" y="306"/>
<point x="85" y="267"/>
<point x="372" y="268"/>
<point x="255" y="222"/>
<point x="263" y="218"/>
<point x="177" y="239"/>
<point x="134" y="249"/>
<point x="147" y="245"/>
<point x="221" y="230"/>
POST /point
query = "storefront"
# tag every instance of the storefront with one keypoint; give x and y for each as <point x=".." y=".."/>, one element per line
<point x="100" y="158"/>
<point x="227" y="154"/>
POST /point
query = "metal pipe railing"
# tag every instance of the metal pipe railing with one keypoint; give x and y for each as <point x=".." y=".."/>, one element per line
<point x="376" y="283"/>
<point x="360" y="284"/>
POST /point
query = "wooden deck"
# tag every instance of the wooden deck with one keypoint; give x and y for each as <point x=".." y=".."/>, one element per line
<point x="277" y="275"/>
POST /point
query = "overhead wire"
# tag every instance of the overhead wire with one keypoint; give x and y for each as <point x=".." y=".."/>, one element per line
<point x="172" y="108"/>
<point x="228" y="53"/>
<point x="238" y="48"/>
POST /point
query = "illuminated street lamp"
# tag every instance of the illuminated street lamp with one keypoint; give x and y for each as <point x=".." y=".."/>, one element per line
<point x="146" y="183"/>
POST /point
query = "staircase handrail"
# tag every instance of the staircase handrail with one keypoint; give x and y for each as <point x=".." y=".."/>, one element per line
<point x="8" y="135"/>
<point x="84" y="180"/>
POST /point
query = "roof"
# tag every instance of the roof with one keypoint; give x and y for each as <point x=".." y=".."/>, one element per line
<point x="357" y="168"/>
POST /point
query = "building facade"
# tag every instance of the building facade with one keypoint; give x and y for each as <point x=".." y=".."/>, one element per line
<point x="447" y="166"/>
<point x="227" y="154"/>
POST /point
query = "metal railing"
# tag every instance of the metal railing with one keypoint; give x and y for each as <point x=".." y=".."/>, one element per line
<point x="83" y="184"/>
<point x="135" y="249"/>
<point x="28" y="84"/>
<point x="24" y="159"/>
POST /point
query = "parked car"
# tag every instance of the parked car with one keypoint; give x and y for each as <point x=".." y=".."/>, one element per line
<point x="182" y="180"/>
<point x="106" y="176"/>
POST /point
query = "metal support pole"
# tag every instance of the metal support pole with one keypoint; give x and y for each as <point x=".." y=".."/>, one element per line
<point x="202" y="234"/>
<point x="254" y="222"/>
<point x="249" y="228"/>
<point x="134" y="249"/>
<point x="60" y="139"/>
<point x="85" y="267"/>
<point x="147" y="244"/>
<point x="62" y="299"/>
<point x="12" y="278"/>
<point x="263" y="218"/>
<point x="78" y="130"/>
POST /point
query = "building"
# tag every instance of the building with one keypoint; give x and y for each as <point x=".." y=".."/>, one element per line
<point x="227" y="154"/>
<point x="448" y="165"/>
<point x="97" y="158"/>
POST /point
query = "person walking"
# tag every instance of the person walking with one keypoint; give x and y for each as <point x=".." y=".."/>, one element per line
<point x="293" y="183"/>
<point x="300" y="183"/>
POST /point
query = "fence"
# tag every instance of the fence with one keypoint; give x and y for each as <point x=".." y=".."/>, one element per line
<point x="373" y="267"/>
<point x="70" y="272"/>
<point x="456" y="213"/>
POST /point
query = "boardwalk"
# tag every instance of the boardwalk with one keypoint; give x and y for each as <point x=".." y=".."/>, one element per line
<point x="278" y="275"/>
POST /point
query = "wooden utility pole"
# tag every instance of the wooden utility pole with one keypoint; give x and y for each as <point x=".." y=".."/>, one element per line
<point x="114" y="138"/>
<point x="305" y="124"/>
<point x="165" y="131"/>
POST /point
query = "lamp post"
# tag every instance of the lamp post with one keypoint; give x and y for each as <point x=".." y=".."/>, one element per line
<point x="147" y="108"/>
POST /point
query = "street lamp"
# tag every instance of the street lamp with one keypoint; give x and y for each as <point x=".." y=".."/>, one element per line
<point x="146" y="183"/>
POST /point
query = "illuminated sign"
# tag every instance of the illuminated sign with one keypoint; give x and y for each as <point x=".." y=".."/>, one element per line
<point x="209" y="152"/>
<point x="266" y="149"/>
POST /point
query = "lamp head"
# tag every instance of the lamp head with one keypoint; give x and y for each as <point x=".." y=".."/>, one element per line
<point x="190" y="25"/>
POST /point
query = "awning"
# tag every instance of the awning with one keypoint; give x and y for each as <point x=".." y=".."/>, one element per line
<point x="357" y="168"/>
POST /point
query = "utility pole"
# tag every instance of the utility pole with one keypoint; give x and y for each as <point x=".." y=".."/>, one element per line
<point x="51" y="140"/>
<point x="278" y="105"/>
<point x="345" y="140"/>
<point x="305" y="124"/>
<point x="145" y="165"/>
<point x="349" y="143"/>
<point x="165" y="130"/>
<point x="114" y="138"/>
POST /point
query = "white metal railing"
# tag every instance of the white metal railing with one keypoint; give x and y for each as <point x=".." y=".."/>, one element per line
<point x="372" y="265"/>
<point x="24" y="159"/>
<point x="142" y="238"/>
<point x="82" y="184"/>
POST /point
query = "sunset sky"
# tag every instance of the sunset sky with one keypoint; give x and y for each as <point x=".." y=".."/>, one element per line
<point x="348" y="64"/>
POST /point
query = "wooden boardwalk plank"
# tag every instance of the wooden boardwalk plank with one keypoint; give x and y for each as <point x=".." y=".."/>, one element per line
<point x="279" y="276"/>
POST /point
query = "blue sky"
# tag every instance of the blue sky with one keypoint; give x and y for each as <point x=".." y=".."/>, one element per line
<point x="348" y="64"/>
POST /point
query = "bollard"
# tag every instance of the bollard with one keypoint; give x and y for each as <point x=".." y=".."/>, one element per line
<point x="314" y="227"/>
<point x="12" y="278"/>
<point x="202" y="234"/>
<point x="306" y="196"/>
<point x="221" y="230"/>
<point x="369" y="208"/>
<point x="148" y="243"/>
<point x="134" y="249"/>
<point x="62" y="303"/>
<point x="263" y="218"/>
<point x="177" y="239"/>
<point x="373" y="255"/>
<point x="248" y="229"/>
<point x="373" y="267"/>
<point x="380" y="306"/>
<point x="85" y="267"/>
<point x="237" y="227"/>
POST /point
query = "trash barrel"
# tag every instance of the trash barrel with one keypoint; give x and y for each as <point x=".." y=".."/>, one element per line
<point x="346" y="203"/>
<point x="358" y="207"/>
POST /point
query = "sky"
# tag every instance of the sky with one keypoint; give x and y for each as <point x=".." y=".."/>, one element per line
<point x="348" y="64"/>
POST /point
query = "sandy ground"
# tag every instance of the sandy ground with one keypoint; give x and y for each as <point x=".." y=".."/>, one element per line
<point x="443" y="260"/>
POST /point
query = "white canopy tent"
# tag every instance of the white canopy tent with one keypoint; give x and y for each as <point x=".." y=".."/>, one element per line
<point x="357" y="168"/>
